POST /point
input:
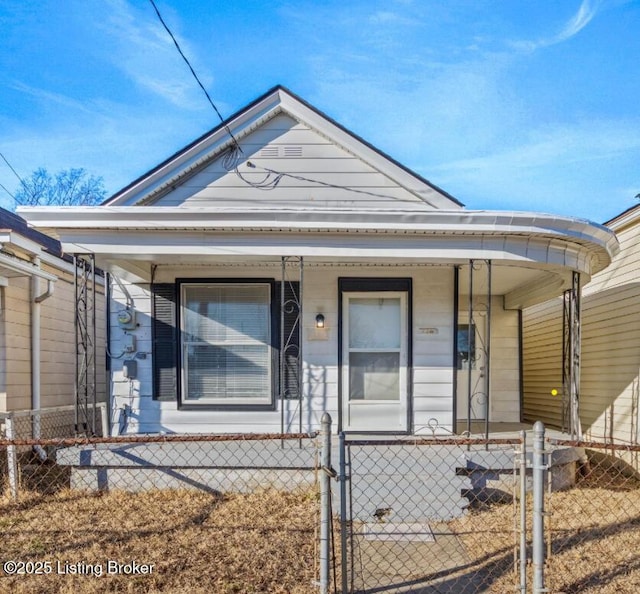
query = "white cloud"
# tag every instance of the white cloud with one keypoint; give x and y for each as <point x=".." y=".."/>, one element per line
<point x="144" y="51"/>
<point x="44" y="97"/>
<point x="584" y="15"/>
<point x="577" y="170"/>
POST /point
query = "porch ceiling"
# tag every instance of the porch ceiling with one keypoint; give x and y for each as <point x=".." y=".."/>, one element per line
<point x="521" y="284"/>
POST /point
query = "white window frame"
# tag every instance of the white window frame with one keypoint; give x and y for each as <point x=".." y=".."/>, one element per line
<point x="220" y="402"/>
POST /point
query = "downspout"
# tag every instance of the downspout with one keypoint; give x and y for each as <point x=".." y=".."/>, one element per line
<point x="36" y="300"/>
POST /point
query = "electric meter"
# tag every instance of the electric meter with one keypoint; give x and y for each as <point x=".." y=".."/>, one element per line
<point x="127" y="319"/>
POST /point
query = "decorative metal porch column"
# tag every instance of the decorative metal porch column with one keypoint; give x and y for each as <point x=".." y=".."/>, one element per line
<point x="291" y="380"/>
<point x="85" y="336"/>
<point x="571" y="341"/>
<point x="479" y="393"/>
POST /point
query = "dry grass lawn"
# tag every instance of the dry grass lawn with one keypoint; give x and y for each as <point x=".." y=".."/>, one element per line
<point x="595" y="537"/>
<point x="265" y="542"/>
<point x="197" y="542"/>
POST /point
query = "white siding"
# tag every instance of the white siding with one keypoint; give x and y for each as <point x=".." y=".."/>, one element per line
<point x="286" y="146"/>
<point x="432" y="307"/>
<point x="610" y="350"/>
<point x="505" y="364"/>
<point x="135" y="410"/>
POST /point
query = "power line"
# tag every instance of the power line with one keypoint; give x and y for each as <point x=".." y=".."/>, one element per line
<point x="231" y="157"/>
<point x="193" y="72"/>
<point x="10" y="194"/>
<point x="12" y="169"/>
<point x="269" y="183"/>
<point x="17" y="175"/>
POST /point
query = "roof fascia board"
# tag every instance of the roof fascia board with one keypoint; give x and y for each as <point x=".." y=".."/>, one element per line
<point x="202" y="150"/>
<point x="33" y="248"/>
<point x="625" y="219"/>
<point x="24" y="268"/>
<point x="243" y="122"/>
<point x="149" y="217"/>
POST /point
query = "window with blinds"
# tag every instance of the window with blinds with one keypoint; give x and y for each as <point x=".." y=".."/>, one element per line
<point x="226" y="337"/>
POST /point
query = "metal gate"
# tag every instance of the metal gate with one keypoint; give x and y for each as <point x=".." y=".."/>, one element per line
<point x="432" y="515"/>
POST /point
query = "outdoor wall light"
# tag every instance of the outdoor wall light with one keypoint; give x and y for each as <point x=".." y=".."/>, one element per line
<point x="319" y="321"/>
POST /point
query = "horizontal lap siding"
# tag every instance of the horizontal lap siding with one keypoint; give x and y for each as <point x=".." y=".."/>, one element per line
<point x="433" y="303"/>
<point x="610" y="350"/>
<point x="433" y="353"/>
<point x="542" y="363"/>
<point x="57" y="343"/>
<point x="316" y="164"/>
<point x="505" y="365"/>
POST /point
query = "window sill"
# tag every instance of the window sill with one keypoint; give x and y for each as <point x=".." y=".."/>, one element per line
<point x="235" y="407"/>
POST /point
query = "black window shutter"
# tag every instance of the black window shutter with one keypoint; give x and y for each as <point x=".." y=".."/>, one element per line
<point x="290" y="385"/>
<point x="164" y="340"/>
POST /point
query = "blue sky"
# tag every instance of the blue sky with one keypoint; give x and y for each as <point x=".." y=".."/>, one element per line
<point x="506" y="104"/>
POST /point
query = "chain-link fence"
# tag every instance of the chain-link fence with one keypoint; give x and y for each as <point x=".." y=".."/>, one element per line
<point x="46" y="423"/>
<point x="244" y="513"/>
<point x="159" y="513"/>
<point x="420" y="513"/>
<point x="593" y="527"/>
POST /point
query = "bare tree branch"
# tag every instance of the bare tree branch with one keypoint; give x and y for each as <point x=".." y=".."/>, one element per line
<point x="69" y="187"/>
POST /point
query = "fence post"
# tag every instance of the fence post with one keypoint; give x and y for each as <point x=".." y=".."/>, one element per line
<point x="104" y="419"/>
<point x="523" y="511"/>
<point x="343" y="515"/>
<point x="539" y="468"/>
<point x="325" y="503"/>
<point x="12" y="458"/>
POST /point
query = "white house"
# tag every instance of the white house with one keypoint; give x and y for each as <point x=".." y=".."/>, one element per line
<point x="280" y="266"/>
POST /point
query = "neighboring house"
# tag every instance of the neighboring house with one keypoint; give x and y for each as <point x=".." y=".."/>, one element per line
<point x="213" y="251"/>
<point x="610" y="353"/>
<point x="37" y="311"/>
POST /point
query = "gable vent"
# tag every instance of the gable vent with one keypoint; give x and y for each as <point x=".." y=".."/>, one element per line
<point x="269" y="151"/>
<point x="293" y="151"/>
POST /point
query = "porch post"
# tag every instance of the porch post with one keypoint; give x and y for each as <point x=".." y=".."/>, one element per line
<point x="487" y="363"/>
<point x="469" y="343"/>
<point x="571" y="347"/>
<point x="281" y="387"/>
<point x="576" y="336"/>
<point x="290" y="346"/>
<point x="300" y="348"/>
<point x="85" y="335"/>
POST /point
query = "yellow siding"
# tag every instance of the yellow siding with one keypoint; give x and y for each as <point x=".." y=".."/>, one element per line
<point x="610" y="350"/>
<point x="17" y="332"/>
<point x="57" y="347"/>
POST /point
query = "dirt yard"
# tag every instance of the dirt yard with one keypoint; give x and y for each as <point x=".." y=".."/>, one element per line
<point x="164" y="541"/>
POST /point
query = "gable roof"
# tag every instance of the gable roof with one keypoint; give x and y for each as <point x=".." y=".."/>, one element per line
<point x="214" y="144"/>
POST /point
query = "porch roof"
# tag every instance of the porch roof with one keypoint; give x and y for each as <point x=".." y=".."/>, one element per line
<point x="101" y="229"/>
<point x="537" y="251"/>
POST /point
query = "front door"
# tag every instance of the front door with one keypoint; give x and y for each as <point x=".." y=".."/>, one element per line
<point x="374" y="361"/>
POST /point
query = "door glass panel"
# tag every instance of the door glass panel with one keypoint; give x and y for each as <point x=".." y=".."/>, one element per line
<point x="374" y="323"/>
<point x="374" y="376"/>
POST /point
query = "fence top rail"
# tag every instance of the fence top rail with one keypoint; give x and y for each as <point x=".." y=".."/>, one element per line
<point x="423" y="441"/>
<point x="45" y="411"/>
<point x="169" y="438"/>
<point x="595" y="445"/>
